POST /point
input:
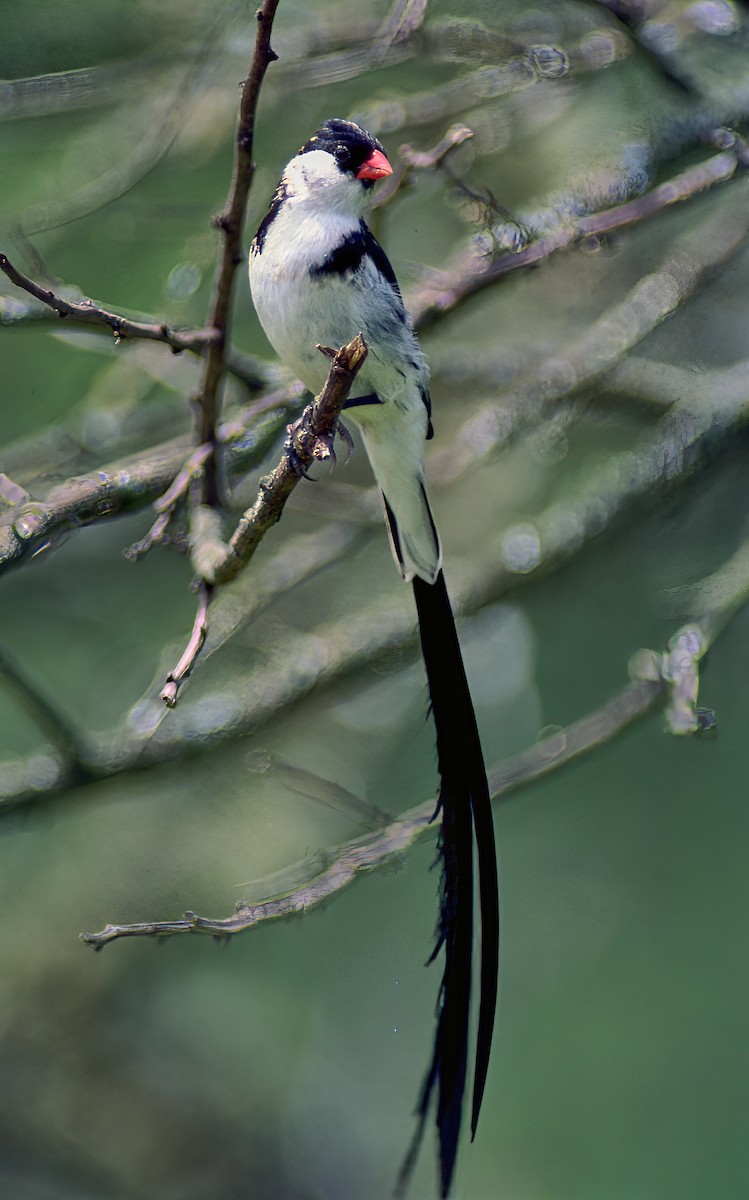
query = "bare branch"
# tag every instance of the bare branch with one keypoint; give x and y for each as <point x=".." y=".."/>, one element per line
<point x="316" y="426"/>
<point x="254" y="373"/>
<point x="427" y="159"/>
<point x="362" y="854"/>
<point x="682" y="187"/>
<point x="310" y="438"/>
<point x="166" y="505"/>
<point x="231" y="221"/>
<point x="420" y="160"/>
<point x="181" y="672"/>
<point x="85" y="312"/>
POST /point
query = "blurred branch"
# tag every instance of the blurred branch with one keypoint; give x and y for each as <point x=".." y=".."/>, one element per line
<point x="132" y="483"/>
<point x="513" y="67"/>
<point x="312" y="62"/>
<point x="162" y="123"/>
<point x="713" y="598"/>
<point x="403" y="20"/>
<point x="682" y="187"/>
<point x="671" y="454"/>
<point x="632" y="17"/>
<point x="166" y="505"/>
<point x="339" y="868"/>
<point x="603" y="345"/>
<point x="297" y="560"/>
<point x="427" y="159"/>
<point x="430" y="301"/>
<point x="49" y="718"/>
<point x="80" y="87"/>
<point x="326" y="791"/>
<point x="230" y="221"/>
<point x="420" y="160"/>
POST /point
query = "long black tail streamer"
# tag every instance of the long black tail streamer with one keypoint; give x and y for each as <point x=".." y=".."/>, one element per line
<point x="466" y="816"/>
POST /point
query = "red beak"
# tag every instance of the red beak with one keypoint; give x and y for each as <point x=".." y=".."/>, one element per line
<point x="376" y="167"/>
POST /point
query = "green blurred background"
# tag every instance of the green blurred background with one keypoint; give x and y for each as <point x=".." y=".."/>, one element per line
<point x="286" y="1066"/>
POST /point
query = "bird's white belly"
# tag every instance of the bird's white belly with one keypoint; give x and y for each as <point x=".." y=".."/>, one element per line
<point x="299" y="313"/>
<point x="289" y="311"/>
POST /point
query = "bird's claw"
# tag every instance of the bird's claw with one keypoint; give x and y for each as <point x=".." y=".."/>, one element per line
<point x="292" y="457"/>
<point x="322" y="450"/>
<point x="347" y="440"/>
<point x="324" y="446"/>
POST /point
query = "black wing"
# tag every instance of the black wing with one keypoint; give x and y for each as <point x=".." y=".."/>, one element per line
<point x="259" y="239"/>
<point x="349" y="254"/>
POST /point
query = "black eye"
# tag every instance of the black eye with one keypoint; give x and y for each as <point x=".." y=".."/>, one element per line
<point x="343" y="156"/>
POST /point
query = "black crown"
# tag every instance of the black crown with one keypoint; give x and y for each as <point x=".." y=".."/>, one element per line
<point x="349" y="144"/>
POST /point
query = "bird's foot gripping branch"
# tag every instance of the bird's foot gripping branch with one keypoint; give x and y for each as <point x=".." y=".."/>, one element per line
<point x="305" y="430"/>
<point x="310" y="439"/>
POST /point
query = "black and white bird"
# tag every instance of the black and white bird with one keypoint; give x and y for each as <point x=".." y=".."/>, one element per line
<point x="318" y="277"/>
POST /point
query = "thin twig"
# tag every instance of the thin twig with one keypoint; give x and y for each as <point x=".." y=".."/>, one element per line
<point x="231" y="221"/>
<point x="181" y="672"/>
<point x="182" y="480"/>
<point x="411" y="159"/>
<point x="155" y="536"/>
<point x="87" y="313"/>
<point x="254" y="373"/>
<point x="166" y="504"/>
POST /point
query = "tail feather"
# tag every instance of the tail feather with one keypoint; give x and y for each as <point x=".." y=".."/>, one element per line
<point x="466" y="812"/>
<point x="413" y="534"/>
